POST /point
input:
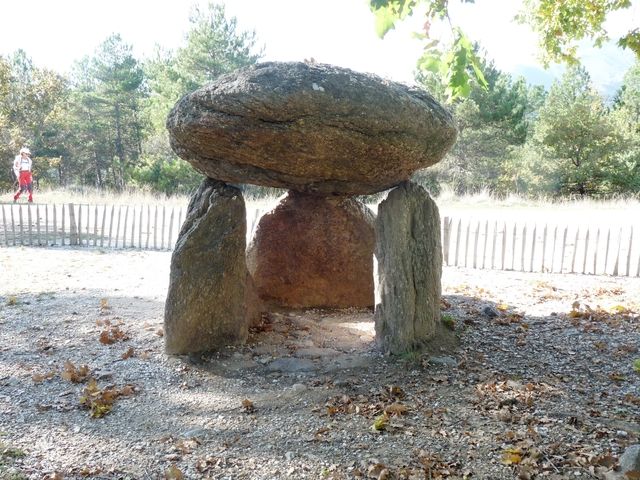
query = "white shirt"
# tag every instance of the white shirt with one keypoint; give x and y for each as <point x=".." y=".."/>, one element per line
<point x="21" y="164"/>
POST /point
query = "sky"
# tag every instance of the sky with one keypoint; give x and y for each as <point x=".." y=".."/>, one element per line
<point x="54" y="34"/>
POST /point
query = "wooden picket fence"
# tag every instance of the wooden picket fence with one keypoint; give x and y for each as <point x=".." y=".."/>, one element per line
<point x="150" y="227"/>
<point x="472" y="243"/>
<point x="532" y="247"/>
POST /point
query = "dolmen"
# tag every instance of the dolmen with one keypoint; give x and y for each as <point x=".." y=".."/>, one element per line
<point x="328" y="135"/>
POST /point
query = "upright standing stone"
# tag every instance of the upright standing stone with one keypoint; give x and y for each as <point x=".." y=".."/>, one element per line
<point x="205" y="307"/>
<point x="409" y="254"/>
<point x="314" y="251"/>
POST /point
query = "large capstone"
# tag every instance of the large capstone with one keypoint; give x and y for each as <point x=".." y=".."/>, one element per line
<point x="310" y="127"/>
<point x="409" y="255"/>
<point x="314" y="251"/>
<point x="205" y="307"/>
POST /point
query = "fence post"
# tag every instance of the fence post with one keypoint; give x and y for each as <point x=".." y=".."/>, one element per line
<point x="615" y="265"/>
<point x="629" y="253"/>
<point x="21" y="224"/>
<point x="73" y="227"/>
<point x="595" y="253"/>
<point x="4" y="226"/>
<point x="586" y="248"/>
<point x="118" y="224"/>
<point x="95" y="225"/>
<point x="475" y="245"/>
<point x="169" y="243"/>
<point x="544" y="247"/>
<point x="79" y="224"/>
<point x="524" y="240"/>
<point x="446" y="234"/>
<point x="124" y="230"/>
<point x="486" y="240"/>
<point x="504" y="244"/>
<point x="148" y="226"/>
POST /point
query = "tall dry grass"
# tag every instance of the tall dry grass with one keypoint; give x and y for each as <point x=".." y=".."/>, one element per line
<point x="483" y="205"/>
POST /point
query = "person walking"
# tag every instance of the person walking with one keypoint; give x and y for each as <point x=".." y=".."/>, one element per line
<point x="22" y="168"/>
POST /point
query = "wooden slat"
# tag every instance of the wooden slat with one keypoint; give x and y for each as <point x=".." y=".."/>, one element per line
<point x="553" y="249"/>
<point x="13" y="225"/>
<point x="513" y="246"/>
<point x="475" y="246"/>
<point x="88" y="227"/>
<point x="79" y="219"/>
<point x="148" y="226"/>
<point x="575" y="251"/>
<point x="615" y="265"/>
<point x="124" y="230"/>
<point x="21" y="224"/>
<point x="504" y="244"/>
<point x="104" y="218"/>
<point x="133" y="225"/>
<point x="170" y="240"/>
<point x="140" y="228"/>
<point x="586" y="249"/>
<point x="95" y="225"/>
<point x="118" y="225"/>
<point x="46" y="225"/>
<point x="113" y="211"/>
<point x="493" y="245"/>
<point x="606" y="250"/>
<point x="486" y="240"/>
<point x="164" y="212"/>
<point x="524" y="241"/>
<point x="155" y="227"/>
<point x="466" y="243"/>
<point x="446" y="234"/>
<point x="62" y="232"/>
<point x="544" y="247"/>
<point x="533" y="246"/>
<point x="629" y="253"/>
<point x="30" y="220"/>
<point x="595" y="253"/>
<point x="38" y="224"/>
<point x="73" y="226"/>
<point x="4" y="227"/>
<point x="458" y="235"/>
<point x="55" y="225"/>
<point x="564" y="246"/>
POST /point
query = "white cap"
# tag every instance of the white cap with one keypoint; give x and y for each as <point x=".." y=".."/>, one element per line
<point x="25" y="150"/>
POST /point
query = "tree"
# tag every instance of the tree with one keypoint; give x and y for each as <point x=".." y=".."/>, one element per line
<point x="214" y="46"/>
<point x="108" y="95"/>
<point x="560" y="24"/>
<point x="32" y="104"/>
<point x="491" y="121"/>
<point x="577" y="137"/>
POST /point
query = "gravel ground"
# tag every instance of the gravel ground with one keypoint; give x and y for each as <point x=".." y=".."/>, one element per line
<point x="539" y="384"/>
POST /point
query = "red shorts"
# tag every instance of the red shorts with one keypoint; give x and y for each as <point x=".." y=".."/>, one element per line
<point x="26" y="181"/>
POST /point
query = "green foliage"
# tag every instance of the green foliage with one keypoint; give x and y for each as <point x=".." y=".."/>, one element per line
<point x="448" y="321"/>
<point x="560" y="25"/>
<point x="636" y="365"/>
<point x="581" y="137"/>
<point x="105" y="124"/>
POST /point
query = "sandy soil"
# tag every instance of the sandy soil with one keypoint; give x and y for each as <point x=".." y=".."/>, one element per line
<point x="541" y="383"/>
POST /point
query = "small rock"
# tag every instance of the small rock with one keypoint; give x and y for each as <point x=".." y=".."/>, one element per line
<point x="490" y="312"/>
<point x="195" y="433"/>
<point x="289" y="364"/>
<point x="289" y="456"/>
<point x="444" y="361"/>
<point x="630" y="460"/>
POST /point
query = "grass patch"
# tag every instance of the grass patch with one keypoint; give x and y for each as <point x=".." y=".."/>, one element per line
<point x="448" y="321"/>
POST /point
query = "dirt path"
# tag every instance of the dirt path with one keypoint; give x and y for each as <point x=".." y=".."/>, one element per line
<point x="536" y="389"/>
